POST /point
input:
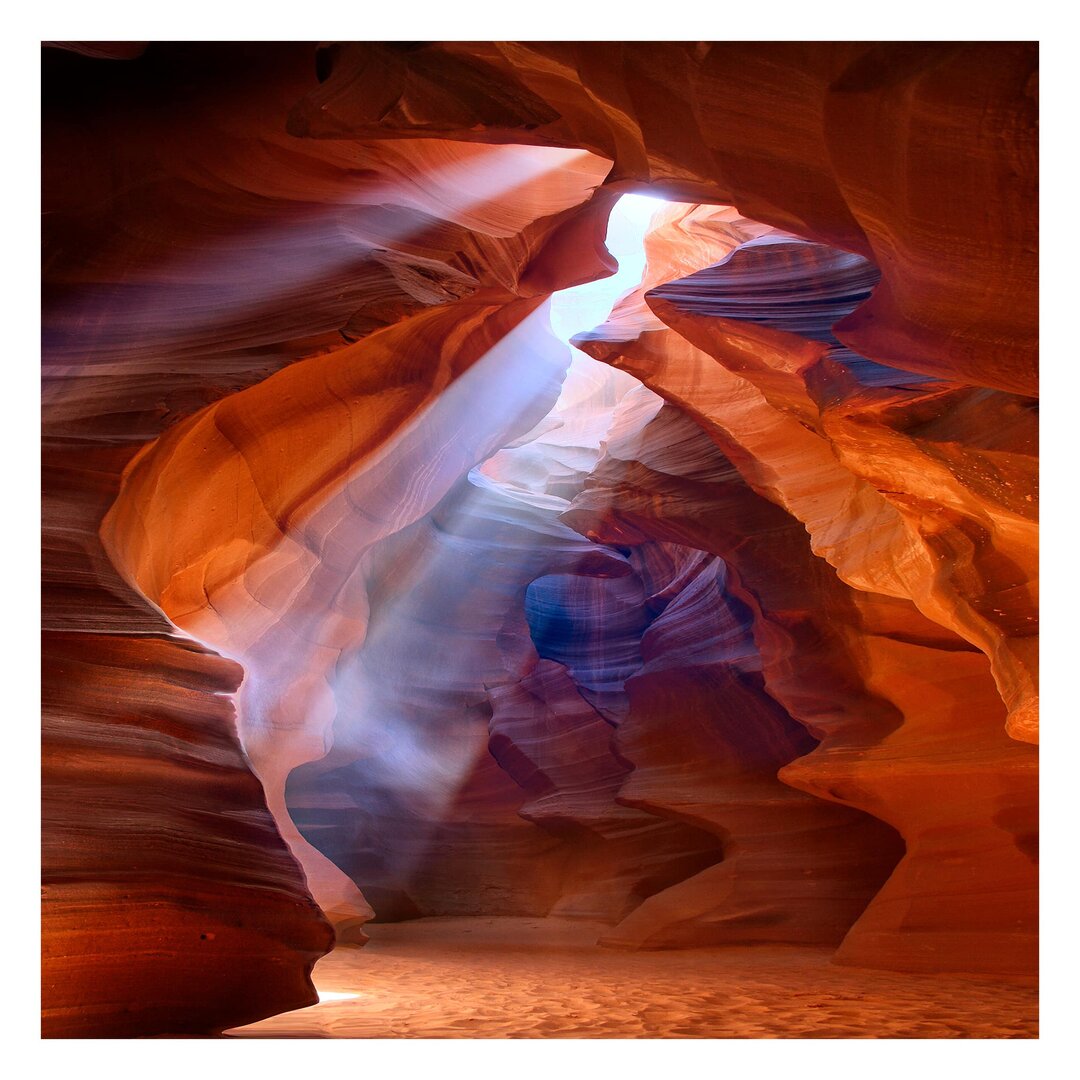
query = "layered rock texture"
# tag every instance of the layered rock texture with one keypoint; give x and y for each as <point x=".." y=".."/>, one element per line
<point x="367" y="598"/>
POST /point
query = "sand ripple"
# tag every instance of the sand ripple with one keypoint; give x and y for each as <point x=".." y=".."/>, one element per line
<point x="484" y="978"/>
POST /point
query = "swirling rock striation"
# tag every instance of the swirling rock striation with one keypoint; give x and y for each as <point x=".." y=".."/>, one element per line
<point x="934" y="763"/>
<point x="812" y="139"/>
<point x="804" y="421"/>
<point x="192" y="248"/>
<point x="516" y="633"/>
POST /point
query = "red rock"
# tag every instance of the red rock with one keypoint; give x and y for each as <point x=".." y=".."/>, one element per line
<point x="806" y="137"/>
<point x="850" y="666"/>
<point x="955" y="533"/>
<point x="169" y="902"/>
<point x="687" y="667"/>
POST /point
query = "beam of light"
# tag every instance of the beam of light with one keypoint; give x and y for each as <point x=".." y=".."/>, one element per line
<point x="390" y="709"/>
<point x="174" y="321"/>
<point x="316" y="683"/>
<point x="337" y="995"/>
<point x="413" y="749"/>
<point x="240" y="289"/>
<point x="585" y="306"/>
<point x="570" y="438"/>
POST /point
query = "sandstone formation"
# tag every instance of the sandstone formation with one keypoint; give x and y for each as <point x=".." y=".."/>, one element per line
<point x="365" y="597"/>
<point x="807" y="138"/>
<point x="766" y="393"/>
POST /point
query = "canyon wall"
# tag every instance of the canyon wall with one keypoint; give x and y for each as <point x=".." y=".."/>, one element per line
<point x="733" y="639"/>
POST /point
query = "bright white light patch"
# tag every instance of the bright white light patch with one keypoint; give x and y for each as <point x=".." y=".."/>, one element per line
<point x="335" y="995"/>
<point x="585" y="306"/>
<point x="571" y="437"/>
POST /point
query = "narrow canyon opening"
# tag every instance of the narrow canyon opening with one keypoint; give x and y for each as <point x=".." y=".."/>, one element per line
<point x="558" y="562"/>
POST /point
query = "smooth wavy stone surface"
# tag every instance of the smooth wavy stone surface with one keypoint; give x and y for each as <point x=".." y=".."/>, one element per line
<point x="768" y="380"/>
<point x="954" y="530"/>
<point x="927" y="758"/>
<point x="811" y="138"/>
<point x="170" y="903"/>
<point x="787" y="284"/>
<point x="745" y="653"/>
<point x="192" y="248"/>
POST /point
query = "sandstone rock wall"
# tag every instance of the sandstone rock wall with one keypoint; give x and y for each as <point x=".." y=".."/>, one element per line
<point x="751" y="656"/>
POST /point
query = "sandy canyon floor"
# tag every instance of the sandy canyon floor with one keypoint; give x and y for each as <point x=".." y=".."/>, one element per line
<point x="498" y="978"/>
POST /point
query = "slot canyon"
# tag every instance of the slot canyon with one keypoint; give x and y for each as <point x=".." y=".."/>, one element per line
<point x="540" y="540"/>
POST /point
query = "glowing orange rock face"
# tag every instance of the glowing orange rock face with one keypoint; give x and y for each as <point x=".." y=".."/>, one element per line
<point x="223" y="256"/>
<point x="938" y="547"/>
<point x="138" y="752"/>
<point x="753" y="662"/>
<point x="809" y="138"/>
<point x="847" y="664"/>
<point x="932" y="488"/>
